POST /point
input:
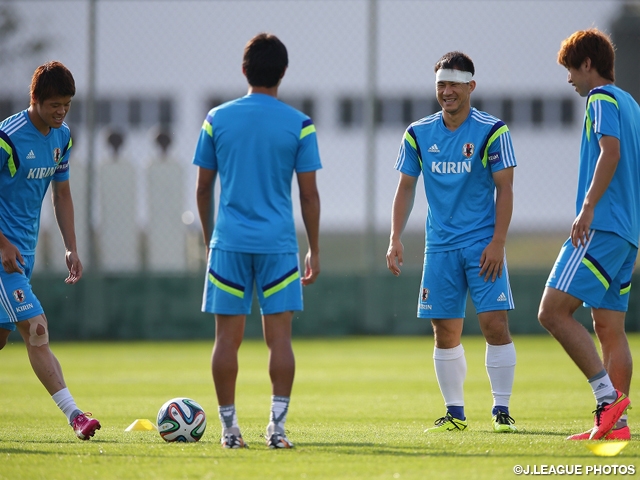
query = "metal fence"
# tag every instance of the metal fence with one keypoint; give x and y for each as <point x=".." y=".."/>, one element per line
<point x="148" y="71"/>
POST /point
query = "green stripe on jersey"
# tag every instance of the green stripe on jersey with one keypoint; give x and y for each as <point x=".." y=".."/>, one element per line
<point x="307" y="131"/>
<point x="593" y="98"/>
<point x="207" y="127"/>
<point x="496" y="134"/>
<point x="10" y="162"/>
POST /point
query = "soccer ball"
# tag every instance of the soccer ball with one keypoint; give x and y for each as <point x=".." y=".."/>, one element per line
<point x="181" y="420"/>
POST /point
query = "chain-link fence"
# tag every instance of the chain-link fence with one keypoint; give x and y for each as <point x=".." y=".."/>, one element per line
<point x="148" y="71"/>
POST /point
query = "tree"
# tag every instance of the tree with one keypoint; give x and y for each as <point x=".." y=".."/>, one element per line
<point x="12" y="47"/>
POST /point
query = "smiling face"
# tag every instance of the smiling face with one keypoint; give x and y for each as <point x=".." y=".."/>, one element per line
<point x="454" y="97"/>
<point x="49" y="113"/>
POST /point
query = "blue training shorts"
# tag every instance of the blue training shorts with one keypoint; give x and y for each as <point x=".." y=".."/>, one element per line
<point x="446" y="278"/>
<point x="17" y="299"/>
<point x="228" y="287"/>
<point x="598" y="273"/>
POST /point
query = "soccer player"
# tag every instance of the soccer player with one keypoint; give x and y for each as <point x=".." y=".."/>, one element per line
<point x="465" y="157"/>
<point x="595" y="264"/>
<point x="34" y="152"/>
<point x="256" y="143"/>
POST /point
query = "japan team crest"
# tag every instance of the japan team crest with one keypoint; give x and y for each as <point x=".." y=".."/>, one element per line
<point x="56" y="155"/>
<point x="18" y="295"/>
<point x="424" y="295"/>
<point x="468" y="149"/>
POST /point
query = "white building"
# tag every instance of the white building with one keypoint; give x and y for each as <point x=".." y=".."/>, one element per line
<point x="170" y="61"/>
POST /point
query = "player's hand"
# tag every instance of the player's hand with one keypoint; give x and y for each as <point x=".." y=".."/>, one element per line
<point x="492" y="261"/>
<point x="11" y="258"/>
<point x="395" y="256"/>
<point x="74" y="266"/>
<point x="581" y="226"/>
<point x="311" y="268"/>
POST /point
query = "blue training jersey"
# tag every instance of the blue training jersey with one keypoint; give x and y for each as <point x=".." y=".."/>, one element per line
<point x="457" y="168"/>
<point x="613" y="112"/>
<point x="29" y="161"/>
<point x="256" y="143"/>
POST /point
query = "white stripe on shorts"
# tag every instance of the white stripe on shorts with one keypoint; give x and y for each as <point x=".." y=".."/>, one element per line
<point x="572" y="265"/>
<point x="6" y="303"/>
<point x="506" y="269"/>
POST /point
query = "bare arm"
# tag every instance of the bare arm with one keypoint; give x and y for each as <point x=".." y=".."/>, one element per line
<point x="402" y="206"/>
<point x="204" y="199"/>
<point x="63" y="210"/>
<point x="605" y="169"/>
<point x="492" y="258"/>
<point x="310" y="208"/>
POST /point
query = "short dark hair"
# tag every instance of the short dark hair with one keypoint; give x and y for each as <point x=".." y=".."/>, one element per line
<point x="50" y="80"/>
<point x="265" y="60"/>
<point x="592" y="44"/>
<point x="456" y="61"/>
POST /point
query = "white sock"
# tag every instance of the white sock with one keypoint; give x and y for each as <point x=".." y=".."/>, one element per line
<point x="603" y="388"/>
<point x="66" y="403"/>
<point x="451" y="371"/>
<point x="500" y="361"/>
<point x="279" y="409"/>
<point x="228" y="419"/>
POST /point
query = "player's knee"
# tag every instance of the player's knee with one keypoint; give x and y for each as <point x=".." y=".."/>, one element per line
<point x="38" y="332"/>
<point x="4" y="335"/>
<point x="545" y="318"/>
<point x="609" y="333"/>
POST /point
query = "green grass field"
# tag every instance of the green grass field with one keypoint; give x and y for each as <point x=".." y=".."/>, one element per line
<point x="359" y="409"/>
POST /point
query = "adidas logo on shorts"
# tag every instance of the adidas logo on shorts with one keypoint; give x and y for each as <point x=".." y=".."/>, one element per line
<point x="502" y="297"/>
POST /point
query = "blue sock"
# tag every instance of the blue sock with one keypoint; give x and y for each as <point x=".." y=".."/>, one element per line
<point x="500" y="408"/>
<point x="456" y="412"/>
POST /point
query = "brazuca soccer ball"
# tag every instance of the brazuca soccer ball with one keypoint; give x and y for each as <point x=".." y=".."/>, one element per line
<point x="181" y="420"/>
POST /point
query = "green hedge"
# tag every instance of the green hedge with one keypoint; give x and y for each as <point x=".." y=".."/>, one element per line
<point x="157" y="307"/>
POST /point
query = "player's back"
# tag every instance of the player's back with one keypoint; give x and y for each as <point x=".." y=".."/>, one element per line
<point x="630" y="149"/>
<point x="613" y="111"/>
<point x="259" y="142"/>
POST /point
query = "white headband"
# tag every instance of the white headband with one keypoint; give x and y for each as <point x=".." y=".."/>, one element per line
<point x="451" y="75"/>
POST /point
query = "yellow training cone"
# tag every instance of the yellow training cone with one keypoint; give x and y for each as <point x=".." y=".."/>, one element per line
<point x="140" y="424"/>
<point x="607" y="448"/>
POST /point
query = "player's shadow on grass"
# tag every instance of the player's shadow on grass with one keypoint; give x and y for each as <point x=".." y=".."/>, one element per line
<point x="425" y="451"/>
<point x="344" y="448"/>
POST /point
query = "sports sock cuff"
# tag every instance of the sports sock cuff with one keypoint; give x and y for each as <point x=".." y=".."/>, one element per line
<point x="228" y="416"/>
<point x="456" y="411"/>
<point x="60" y="395"/>
<point x="598" y="376"/>
<point x="500" y="355"/>
<point x="66" y="403"/>
<point x="276" y="398"/>
<point x="500" y="408"/>
<point x="448" y="353"/>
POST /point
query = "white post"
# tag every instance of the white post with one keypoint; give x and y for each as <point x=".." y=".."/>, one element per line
<point x="370" y="137"/>
<point x="91" y="137"/>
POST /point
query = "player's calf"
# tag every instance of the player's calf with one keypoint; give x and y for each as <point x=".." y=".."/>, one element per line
<point x="4" y="336"/>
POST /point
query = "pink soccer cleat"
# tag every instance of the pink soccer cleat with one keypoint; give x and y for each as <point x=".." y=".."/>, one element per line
<point x="607" y="414"/>
<point x="84" y="426"/>
<point x="616" y="434"/>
